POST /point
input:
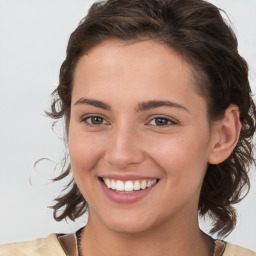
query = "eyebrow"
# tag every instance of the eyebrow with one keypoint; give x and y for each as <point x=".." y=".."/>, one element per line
<point x="159" y="103"/>
<point x="143" y="106"/>
<point x="95" y="103"/>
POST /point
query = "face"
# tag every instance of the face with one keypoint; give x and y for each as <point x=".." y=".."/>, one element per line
<point x="139" y="137"/>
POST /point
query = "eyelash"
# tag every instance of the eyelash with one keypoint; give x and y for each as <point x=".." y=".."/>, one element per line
<point x="86" y="118"/>
<point x="168" y="121"/>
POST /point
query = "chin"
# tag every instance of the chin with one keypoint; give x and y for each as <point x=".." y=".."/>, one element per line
<point x="129" y="224"/>
<point x="129" y="228"/>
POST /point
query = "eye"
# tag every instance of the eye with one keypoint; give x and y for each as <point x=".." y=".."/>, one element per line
<point x="162" y="121"/>
<point x="94" y="120"/>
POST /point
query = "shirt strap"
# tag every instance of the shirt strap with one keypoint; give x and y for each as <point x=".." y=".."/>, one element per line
<point x="219" y="247"/>
<point x="69" y="244"/>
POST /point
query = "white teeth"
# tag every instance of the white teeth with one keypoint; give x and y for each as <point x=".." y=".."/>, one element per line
<point x="119" y="185"/>
<point x="136" y="185"/>
<point x="108" y="183"/>
<point x="153" y="182"/>
<point x="143" y="184"/>
<point x="112" y="184"/>
<point x="128" y="186"/>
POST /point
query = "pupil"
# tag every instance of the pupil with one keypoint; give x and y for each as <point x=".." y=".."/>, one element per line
<point x="161" y="121"/>
<point x="96" y="120"/>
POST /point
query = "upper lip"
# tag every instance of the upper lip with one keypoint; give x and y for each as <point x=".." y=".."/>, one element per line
<point x="126" y="177"/>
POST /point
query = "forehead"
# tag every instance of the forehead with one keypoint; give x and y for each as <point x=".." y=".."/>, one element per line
<point x="150" y="68"/>
<point x="145" y="55"/>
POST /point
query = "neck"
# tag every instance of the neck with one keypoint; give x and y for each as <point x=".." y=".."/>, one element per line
<point x="175" y="238"/>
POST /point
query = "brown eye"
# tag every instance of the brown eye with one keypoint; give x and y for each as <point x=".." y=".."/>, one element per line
<point x="161" y="121"/>
<point x="94" y="120"/>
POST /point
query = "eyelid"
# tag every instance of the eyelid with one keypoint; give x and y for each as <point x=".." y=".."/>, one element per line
<point x="171" y="121"/>
<point x="84" y="119"/>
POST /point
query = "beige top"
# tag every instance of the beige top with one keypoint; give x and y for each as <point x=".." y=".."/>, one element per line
<point x="51" y="246"/>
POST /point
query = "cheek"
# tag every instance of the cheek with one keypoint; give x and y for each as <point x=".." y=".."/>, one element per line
<point x="85" y="151"/>
<point x="183" y="159"/>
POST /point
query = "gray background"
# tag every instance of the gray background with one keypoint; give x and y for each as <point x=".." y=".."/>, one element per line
<point x="33" y="38"/>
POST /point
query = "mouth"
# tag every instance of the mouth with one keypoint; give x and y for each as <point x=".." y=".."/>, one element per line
<point x="128" y="186"/>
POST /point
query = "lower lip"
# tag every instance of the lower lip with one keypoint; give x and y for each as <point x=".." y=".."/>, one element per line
<point x="125" y="198"/>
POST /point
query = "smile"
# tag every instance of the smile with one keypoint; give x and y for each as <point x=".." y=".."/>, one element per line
<point x="129" y="185"/>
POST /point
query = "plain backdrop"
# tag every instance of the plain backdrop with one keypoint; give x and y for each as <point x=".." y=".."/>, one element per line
<point x="33" y="38"/>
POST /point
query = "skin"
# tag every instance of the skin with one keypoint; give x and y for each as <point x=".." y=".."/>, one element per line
<point x="127" y="140"/>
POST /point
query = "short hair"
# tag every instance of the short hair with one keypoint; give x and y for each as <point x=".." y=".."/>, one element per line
<point x="196" y="30"/>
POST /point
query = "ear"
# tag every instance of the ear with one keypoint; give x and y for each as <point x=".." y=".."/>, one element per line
<point x="225" y="135"/>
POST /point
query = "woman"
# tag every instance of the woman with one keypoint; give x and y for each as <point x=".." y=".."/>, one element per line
<point x="159" y="120"/>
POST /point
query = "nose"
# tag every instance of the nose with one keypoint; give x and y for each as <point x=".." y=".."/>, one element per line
<point x="125" y="148"/>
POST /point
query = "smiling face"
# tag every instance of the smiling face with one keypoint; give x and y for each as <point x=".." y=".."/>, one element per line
<point x="139" y="136"/>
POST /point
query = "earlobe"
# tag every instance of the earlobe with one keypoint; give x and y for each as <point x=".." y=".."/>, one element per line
<point x="226" y="135"/>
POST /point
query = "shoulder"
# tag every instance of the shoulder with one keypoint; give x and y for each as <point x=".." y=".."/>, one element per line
<point x="235" y="250"/>
<point x="49" y="246"/>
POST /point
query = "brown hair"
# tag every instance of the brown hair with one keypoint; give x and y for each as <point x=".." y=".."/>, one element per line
<point x="196" y="30"/>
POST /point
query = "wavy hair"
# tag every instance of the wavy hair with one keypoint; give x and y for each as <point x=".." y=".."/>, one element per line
<point x="196" y="30"/>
